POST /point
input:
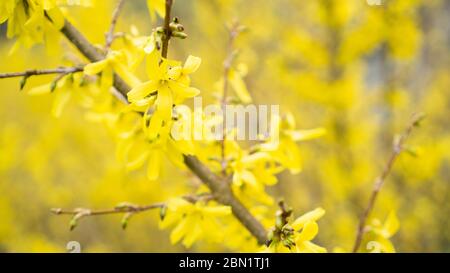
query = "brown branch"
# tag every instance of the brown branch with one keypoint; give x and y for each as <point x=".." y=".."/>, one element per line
<point x="124" y="208"/>
<point x="35" y="72"/>
<point x="167" y="30"/>
<point x="398" y="147"/>
<point x="119" y="209"/>
<point x="91" y="53"/>
<point x="223" y="194"/>
<point x="221" y="191"/>
<point x="115" y="17"/>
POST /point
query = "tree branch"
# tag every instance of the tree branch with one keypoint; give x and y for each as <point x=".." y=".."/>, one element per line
<point x="124" y="208"/>
<point x="231" y="55"/>
<point x="110" y="35"/>
<point x="167" y="30"/>
<point x="221" y="191"/>
<point x="35" y="72"/>
<point x="223" y="194"/>
<point x="398" y="147"/>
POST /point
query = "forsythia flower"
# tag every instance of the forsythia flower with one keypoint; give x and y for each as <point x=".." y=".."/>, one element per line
<point x="32" y="21"/>
<point x="297" y="236"/>
<point x="114" y="62"/>
<point x="251" y="173"/>
<point x="307" y="229"/>
<point x="378" y="235"/>
<point x="64" y="89"/>
<point x="168" y="83"/>
<point x="284" y="148"/>
<point x="135" y="148"/>
<point x="192" y="221"/>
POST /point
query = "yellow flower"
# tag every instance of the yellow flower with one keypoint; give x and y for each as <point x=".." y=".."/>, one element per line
<point x="32" y="21"/>
<point x="135" y="148"/>
<point x="306" y="230"/>
<point x="165" y="85"/>
<point x="251" y="174"/>
<point x="63" y="90"/>
<point x="192" y="221"/>
<point x="378" y="235"/>
<point x="303" y="239"/>
<point x="297" y="236"/>
<point x="114" y="62"/>
<point x="282" y="142"/>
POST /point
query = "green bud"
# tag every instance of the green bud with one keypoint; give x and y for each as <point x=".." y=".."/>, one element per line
<point x="124" y="221"/>
<point x="162" y="212"/>
<point x="73" y="223"/>
<point x="23" y="82"/>
<point x="179" y="34"/>
<point x="53" y="86"/>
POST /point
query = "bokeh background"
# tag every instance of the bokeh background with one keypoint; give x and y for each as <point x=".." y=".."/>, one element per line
<point x="357" y="70"/>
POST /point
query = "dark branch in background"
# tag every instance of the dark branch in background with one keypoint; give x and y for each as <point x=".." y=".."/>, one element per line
<point x="35" y="72"/>
<point x="398" y="147"/>
<point x="231" y="55"/>
<point x="219" y="188"/>
<point x="110" y="35"/>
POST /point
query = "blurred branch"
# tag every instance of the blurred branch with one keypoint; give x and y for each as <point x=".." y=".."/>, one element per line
<point x="123" y="208"/>
<point x="231" y="55"/>
<point x="110" y="35"/>
<point x="221" y="190"/>
<point x="398" y="147"/>
<point x="35" y="72"/>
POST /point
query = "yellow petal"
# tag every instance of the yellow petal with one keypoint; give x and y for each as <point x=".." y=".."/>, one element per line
<point x="61" y="99"/>
<point x="193" y="234"/>
<point x="107" y="79"/>
<point x="192" y="64"/>
<point x="182" y="92"/>
<point x="179" y="231"/>
<point x="141" y="91"/>
<point x="302" y="135"/>
<point x="239" y="87"/>
<point x="154" y="165"/>
<point x="310" y="216"/>
<point x="216" y="211"/>
<point x="56" y="16"/>
<point x="126" y="74"/>
<point x="309" y="231"/>
<point x="164" y="103"/>
<point x="391" y="225"/>
<point x="308" y="247"/>
<point x="95" y="68"/>
<point x="40" y="90"/>
<point x="137" y="162"/>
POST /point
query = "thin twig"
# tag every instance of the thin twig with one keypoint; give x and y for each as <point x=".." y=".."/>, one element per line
<point x="110" y="35"/>
<point x="119" y="209"/>
<point x="398" y="147"/>
<point x="127" y="209"/>
<point x="231" y="54"/>
<point x="35" y="72"/>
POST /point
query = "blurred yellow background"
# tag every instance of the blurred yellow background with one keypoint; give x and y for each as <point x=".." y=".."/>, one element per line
<point x="357" y="70"/>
